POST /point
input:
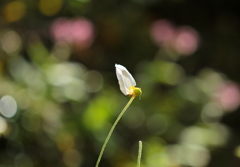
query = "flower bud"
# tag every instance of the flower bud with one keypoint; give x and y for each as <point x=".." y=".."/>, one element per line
<point x="137" y="91"/>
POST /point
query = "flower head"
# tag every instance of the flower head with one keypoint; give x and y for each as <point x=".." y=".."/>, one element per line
<point x="126" y="81"/>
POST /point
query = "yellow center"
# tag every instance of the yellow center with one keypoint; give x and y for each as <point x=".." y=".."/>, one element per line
<point x="134" y="91"/>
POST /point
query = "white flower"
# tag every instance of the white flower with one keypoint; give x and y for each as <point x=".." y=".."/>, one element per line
<point x="125" y="80"/>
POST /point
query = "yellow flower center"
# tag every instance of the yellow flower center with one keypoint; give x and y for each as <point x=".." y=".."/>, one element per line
<point x="134" y="91"/>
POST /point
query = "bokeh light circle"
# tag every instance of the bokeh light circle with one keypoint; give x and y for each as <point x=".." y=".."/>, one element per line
<point x="8" y="106"/>
<point x="3" y="125"/>
<point x="11" y="42"/>
<point x="94" y="81"/>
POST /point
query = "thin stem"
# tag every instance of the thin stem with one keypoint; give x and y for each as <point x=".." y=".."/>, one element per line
<point x="112" y="128"/>
<point x="139" y="154"/>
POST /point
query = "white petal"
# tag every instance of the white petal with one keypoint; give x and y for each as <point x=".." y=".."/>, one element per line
<point x="125" y="79"/>
<point x="121" y="83"/>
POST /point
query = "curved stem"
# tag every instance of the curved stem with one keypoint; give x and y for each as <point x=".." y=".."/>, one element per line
<point x="112" y="128"/>
<point x="139" y="154"/>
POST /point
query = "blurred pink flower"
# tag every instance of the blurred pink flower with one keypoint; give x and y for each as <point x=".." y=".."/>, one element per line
<point x="78" y="32"/>
<point x="186" y="40"/>
<point x="228" y="96"/>
<point x="162" y="31"/>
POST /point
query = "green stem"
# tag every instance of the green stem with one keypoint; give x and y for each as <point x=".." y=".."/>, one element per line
<point x="111" y="130"/>
<point x="139" y="154"/>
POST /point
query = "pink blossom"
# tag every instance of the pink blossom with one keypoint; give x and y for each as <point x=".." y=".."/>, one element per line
<point x="186" y="40"/>
<point x="228" y="96"/>
<point x="162" y="31"/>
<point x="78" y="32"/>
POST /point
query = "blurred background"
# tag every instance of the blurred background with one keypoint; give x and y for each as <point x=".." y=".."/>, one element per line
<point x="59" y="94"/>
